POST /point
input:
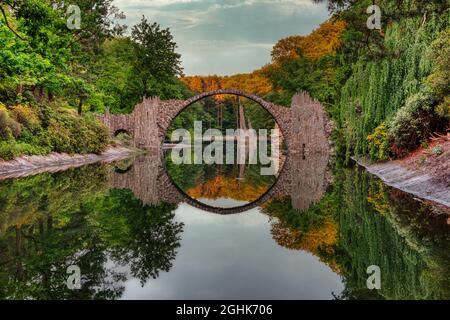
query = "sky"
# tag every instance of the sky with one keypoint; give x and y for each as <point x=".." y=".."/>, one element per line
<point x="226" y="37"/>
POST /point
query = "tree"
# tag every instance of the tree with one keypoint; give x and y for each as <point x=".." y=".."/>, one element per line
<point x="156" y="56"/>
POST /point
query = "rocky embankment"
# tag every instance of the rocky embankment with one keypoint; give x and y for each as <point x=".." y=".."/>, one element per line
<point x="425" y="173"/>
<point x="30" y="165"/>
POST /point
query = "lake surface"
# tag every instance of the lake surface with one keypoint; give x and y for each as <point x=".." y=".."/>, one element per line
<point x="133" y="237"/>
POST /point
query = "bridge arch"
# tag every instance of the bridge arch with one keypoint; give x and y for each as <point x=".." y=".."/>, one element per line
<point x="305" y="128"/>
<point x="304" y="125"/>
<point x="281" y="115"/>
<point x="122" y="130"/>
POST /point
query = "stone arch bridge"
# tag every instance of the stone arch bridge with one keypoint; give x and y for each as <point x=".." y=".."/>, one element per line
<point x="303" y="177"/>
<point x="150" y="120"/>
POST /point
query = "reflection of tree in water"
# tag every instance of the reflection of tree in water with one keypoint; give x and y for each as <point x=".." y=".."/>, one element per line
<point x="375" y="225"/>
<point x="313" y="230"/>
<point x="408" y="241"/>
<point x="146" y="238"/>
<point x="49" y="222"/>
<point x="220" y="181"/>
<point x="228" y="187"/>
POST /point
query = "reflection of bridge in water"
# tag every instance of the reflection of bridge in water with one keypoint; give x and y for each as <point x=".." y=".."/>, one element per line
<point x="303" y="177"/>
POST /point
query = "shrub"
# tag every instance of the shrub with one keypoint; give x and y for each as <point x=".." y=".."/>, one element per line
<point x="59" y="137"/>
<point x="415" y="122"/>
<point x="8" y="127"/>
<point x="73" y="134"/>
<point x="11" y="149"/>
<point x="379" y="147"/>
<point x="52" y="129"/>
<point x="438" y="53"/>
<point x="26" y="116"/>
<point x="437" y="151"/>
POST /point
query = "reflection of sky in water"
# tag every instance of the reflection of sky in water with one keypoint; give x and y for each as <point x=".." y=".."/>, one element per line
<point x="223" y="202"/>
<point x="235" y="257"/>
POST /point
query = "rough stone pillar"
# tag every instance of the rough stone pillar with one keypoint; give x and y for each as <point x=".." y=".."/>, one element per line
<point x="144" y="120"/>
<point x="310" y="150"/>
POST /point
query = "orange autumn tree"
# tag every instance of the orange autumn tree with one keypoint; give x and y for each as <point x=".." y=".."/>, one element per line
<point x="229" y="188"/>
<point x="324" y="40"/>
<point x="254" y="82"/>
<point x="320" y="240"/>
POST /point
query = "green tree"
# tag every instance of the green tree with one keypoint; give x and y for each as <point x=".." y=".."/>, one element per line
<point x="157" y="62"/>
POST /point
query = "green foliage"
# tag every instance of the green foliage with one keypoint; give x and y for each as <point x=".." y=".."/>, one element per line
<point x="12" y="149"/>
<point x="437" y="151"/>
<point x="27" y="117"/>
<point x="384" y="227"/>
<point x="59" y="130"/>
<point x="73" y="218"/>
<point x="379" y="88"/>
<point x="414" y="122"/>
<point x="9" y="128"/>
<point x="376" y="225"/>
<point x="439" y="79"/>
<point x="46" y="67"/>
<point x="320" y="78"/>
<point x="375" y="77"/>
<point x="156" y="62"/>
<point x="69" y="133"/>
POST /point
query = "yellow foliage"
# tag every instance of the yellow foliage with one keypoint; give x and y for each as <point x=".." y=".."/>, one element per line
<point x="324" y="40"/>
<point x="225" y="187"/>
<point x="26" y="116"/>
<point x="254" y="82"/>
<point x="319" y="240"/>
<point x="376" y="197"/>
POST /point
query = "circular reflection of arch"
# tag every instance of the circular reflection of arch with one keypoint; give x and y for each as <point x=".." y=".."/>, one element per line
<point x="232" y="210"/>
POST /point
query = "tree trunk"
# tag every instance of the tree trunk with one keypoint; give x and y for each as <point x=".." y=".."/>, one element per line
<point x="19" y="88"/>
<point x="80" y="107"/>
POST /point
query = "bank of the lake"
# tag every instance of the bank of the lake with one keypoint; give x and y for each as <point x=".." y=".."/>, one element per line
<point x="413" y="181"/>
<point x="31" y="165"/>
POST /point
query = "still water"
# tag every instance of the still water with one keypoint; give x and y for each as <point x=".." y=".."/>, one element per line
<point x="134" y="236"/>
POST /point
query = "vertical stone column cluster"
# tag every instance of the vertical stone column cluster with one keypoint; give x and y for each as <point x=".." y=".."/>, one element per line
<point x="145" y="119"/>
<point x="309" y="150"/>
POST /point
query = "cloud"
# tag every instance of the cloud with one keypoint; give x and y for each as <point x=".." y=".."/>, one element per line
<point x="227" y="36"/>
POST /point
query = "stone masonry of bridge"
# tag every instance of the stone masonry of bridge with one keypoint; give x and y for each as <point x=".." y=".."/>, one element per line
<point x="304" y="180"/>
<point x="150" y="120"/>
<point x="304" y="173"/>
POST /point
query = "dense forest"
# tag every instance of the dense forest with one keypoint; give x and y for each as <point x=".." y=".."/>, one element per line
<point x="386" y="90"/>
<point x="50" y="74"/>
